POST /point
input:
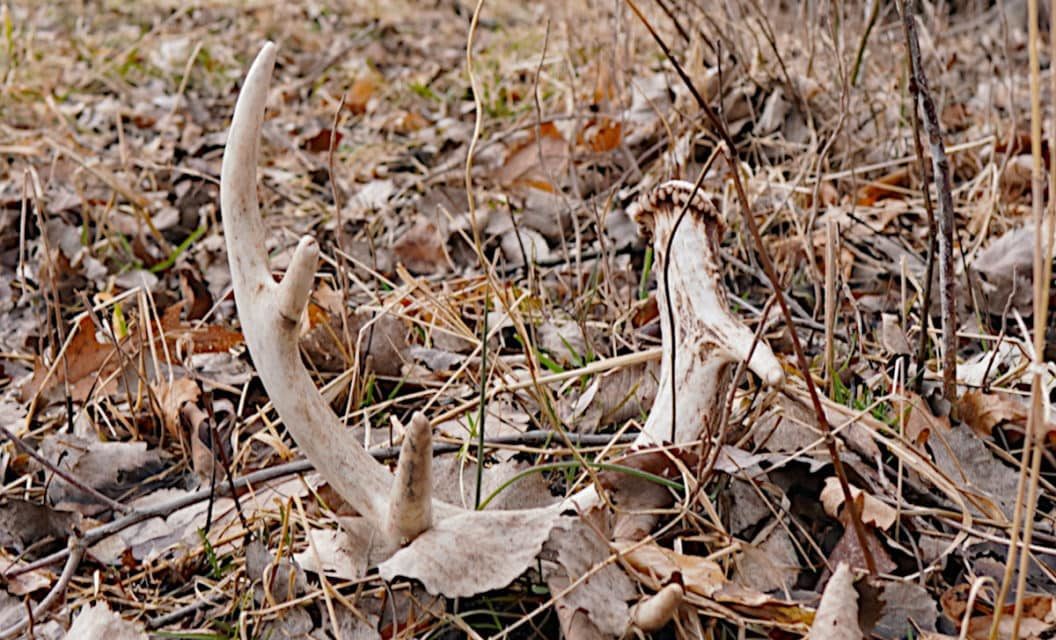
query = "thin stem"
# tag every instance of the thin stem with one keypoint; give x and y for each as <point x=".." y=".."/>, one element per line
<point x="161" y="510"/>
<point x="75" y="551"/>
<point x="573" y="464"/>
<point x="62" y="473"/>
<point x="1042" y="271"/>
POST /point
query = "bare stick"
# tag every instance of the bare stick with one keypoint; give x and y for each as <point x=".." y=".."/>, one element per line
<point x="73" y="560"/>
<point x="830" y="303"/>
<point x="1042" y="274"/>
<point x="929" y="209"/>
<point x="941" y="169"/>
<point x="161" y="510"/>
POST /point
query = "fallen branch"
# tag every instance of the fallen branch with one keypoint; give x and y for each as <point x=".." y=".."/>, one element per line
<point x="164" y="509"/>
<point x="75" y="551"/>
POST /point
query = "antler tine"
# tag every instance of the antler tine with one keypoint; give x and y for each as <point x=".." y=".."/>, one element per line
<point x="271" y="313"/>
<point x="411" y="512"/>
<point x="243" y="227"/>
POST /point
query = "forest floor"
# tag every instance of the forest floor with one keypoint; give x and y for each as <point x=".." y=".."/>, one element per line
<point x="126" y="390"/>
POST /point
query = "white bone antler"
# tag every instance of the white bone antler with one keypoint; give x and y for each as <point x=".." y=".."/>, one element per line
<point x="423" y="538"/>
<point x="270" y="312"/>
<point x="706" y="337"/>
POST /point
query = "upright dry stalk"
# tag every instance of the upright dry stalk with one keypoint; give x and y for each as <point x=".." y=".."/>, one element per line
<point x="830" y="304"/>
<point x="1033" y="444"/>
<point x="941" y="177"/>
<point x="1042" y="272"/>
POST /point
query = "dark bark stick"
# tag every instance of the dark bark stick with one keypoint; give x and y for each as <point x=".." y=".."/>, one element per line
<point x="941" y="177"/>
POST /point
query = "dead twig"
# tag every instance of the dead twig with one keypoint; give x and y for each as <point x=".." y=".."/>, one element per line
<point x="941" y="177"/>
<point x="62" y="473"/>
<point x="74" y="553"/>
<point x="163" y="509"/>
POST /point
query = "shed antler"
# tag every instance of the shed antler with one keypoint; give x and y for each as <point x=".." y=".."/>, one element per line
<point x="423" y="538"/>
<point x="706" y="337"/>
<point x="413" y="531"/>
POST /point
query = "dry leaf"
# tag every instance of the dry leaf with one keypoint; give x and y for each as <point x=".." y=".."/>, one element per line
<point x="575" y="623"/>
<point x="985" y="366"/>
<point x="360" y="93"/>
<point x="920" y="423"/>
<point x="90" y="359"/>
<point x="657" y="567"/>
<point x="421" y="248"/>
<point x="455" y="482"/>
<point x="601" y="135"/>
<point x="906" y="605"/>
<point x="321" y="141"/>
<point x="383" y="337"/>
<point x="769" y="563"/>
<point x="892" y="337"/>
<point x="21" y="582"/>
<point x="849" y="551"/>
<point x="984" y="411"/>
<point x="613" y="398"/>
<point x="873" y="511"/>
<point x="172" y="396"/>
<point x="517" y="243"/>
<point x="1005" y="271"/>
<point x="746" y="507"/>
<point x="490" y="562"/>
<point x="877" y="190"/>
<point x="564" y="340"/>
<point x="1037" y="622"/>
<point x="339" y="553"/>
<point x="180" y="530"/>
<point x="604" y="595"/>
<point x="989" y="485"/>
<point x="98" y="621"/>
<point x="109" y="467"/>
<point x="538" y="161"/>
<point x="837" y="615"/>
<point x="24" y="523"/>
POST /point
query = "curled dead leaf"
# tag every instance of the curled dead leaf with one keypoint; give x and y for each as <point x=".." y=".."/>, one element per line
<point x="873" y="511"/>
<point x="657" y="567"/>
<point x="984" y="411"/>
<point x="538" y="161"/>
<point x="172" y="396"/>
